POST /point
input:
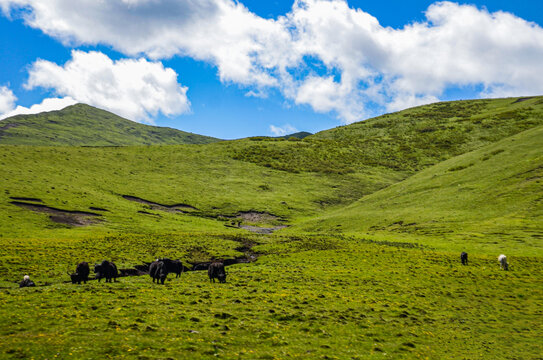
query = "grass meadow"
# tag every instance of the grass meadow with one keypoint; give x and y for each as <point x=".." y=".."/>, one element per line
<point x="370" y="221"/>
<point x="305" y="297"/>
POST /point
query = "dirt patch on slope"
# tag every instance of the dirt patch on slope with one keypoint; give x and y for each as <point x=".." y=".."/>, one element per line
<point x="256" y="216"/>
<point x="67" y="217"/>
<point x="163" y="207"/>
<point x="262" y="230"/>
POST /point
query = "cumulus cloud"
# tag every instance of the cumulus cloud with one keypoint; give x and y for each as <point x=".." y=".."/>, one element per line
<point x="361" y="64"/>
<point x="282" y="130"/>
<point x="134" y="88"/>
<point x="7" y="100"/>
<point x="49" y="104"/>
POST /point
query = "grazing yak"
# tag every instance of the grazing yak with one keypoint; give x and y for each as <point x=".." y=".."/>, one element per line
<point x="216" y="270"/>
<point x="158" y="271"/>
<point x="26" y="282"/>
<point x="173" y="266"/>
<point x="502" y="259"/>
<point x="106" y="269"/>
<point x="464" y="258"/>
<point x="82" y="272"/>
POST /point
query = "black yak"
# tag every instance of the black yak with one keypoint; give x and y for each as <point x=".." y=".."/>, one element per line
<point x="26" y="282"/>
<point x="173" y="266"/>
<point x="106" y="270"/>
<point x="158" y="271"/>
<point x="82" y="272"/>
<point x="216" y="270"/>
<point x="464" y="258"/>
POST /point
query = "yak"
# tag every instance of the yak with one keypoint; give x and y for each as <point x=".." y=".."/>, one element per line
<point x="26" y="282"/>
<point x="173" y="266"/>
<point x="106" y="269"/>
<point x="81" y="273"/>
<point x="216" y="270"/>
<point x="502" y="259"/>
<point x="464" y="258"/>
<point x="158" y="271"/>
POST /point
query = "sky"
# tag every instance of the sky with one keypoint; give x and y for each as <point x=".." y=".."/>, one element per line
<point x="232" y="69"/>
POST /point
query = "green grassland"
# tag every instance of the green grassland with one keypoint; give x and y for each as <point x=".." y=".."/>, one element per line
<point x="84" y="125"/>
<point x="487" y="200"/>
<point x="307" y="297"/>
<point x="368" y="267"/>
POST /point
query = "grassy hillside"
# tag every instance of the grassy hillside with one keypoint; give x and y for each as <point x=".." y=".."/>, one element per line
<point x="488" y="198"/>
<point x="84" y="125"/>
<point x="204" y="177"/>
<point x="290" y="179"/>
<point x="406" y="141"/>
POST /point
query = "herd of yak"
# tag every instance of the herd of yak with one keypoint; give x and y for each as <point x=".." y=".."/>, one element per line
<point x="160" y="268"/>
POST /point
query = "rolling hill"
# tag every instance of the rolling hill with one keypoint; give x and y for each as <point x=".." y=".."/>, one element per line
<point x="488" y="198"/>
<point x="84" y="125"/>
<point x="291" y="179"/>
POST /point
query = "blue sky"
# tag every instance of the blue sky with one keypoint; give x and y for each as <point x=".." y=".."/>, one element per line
<point x="263" y="67"/>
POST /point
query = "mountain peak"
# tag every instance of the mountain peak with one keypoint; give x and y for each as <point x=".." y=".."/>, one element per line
<point x="84" y="125"/>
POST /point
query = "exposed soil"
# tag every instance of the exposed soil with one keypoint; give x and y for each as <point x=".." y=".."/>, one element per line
<point x="262" y="230"/>
<point x="67" y="217"/>
<point x="256" y="216"/>
<point x="162" y="207"/>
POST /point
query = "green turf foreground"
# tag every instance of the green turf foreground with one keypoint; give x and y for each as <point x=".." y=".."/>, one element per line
<point x="307" y="297"/>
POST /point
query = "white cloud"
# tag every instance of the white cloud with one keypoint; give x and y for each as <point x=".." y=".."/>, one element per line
<point x="7" y="100"/>
<point x="361" y="64"/>
<point x="48" y="104"/>
<point x="408" y="100"/>
<point x="134" y="88"/>
<point x="282" y="131"/>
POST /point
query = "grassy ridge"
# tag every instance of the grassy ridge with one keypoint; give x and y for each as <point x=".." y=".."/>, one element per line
<point x="84" y="125"/>
<point x="491" y="197"/>
<point x="406" y="141"/>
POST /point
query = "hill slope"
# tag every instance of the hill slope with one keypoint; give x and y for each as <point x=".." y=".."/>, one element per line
<point x="489" y="197"/>
<point x="84" y="125"/>
<point x="289" y="178"/>
<point x="406" y="141"/>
